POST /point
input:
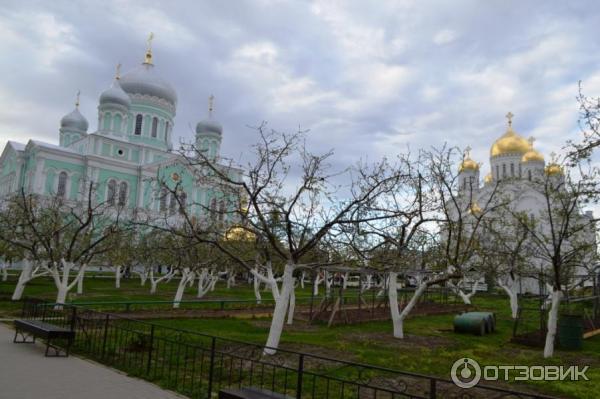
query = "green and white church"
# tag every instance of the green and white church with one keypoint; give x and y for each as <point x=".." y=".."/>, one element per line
<point x="131" y="147"/>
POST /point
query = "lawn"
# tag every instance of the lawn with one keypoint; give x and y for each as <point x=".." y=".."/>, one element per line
<point x="431" y="347"/>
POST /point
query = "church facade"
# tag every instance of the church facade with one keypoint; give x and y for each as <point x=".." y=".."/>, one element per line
<point x="130" y="151"/>
<point x="517" y="172"/>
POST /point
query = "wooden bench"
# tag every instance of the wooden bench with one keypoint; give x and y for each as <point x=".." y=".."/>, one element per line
<point x="250" y="393"/>
<point x="26" y="329"/>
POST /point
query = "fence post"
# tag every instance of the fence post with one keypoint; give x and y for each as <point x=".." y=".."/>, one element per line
<point x="211" y="367"/>
<point x="73" y="318"/>
<point x="150" y="349"/>
<point x="432" y="393"/>
<point x="105" y="336"/>
<point x="300" y="375"/>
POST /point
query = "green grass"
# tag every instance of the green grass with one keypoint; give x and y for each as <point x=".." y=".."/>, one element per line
<point x="431" y="347"/>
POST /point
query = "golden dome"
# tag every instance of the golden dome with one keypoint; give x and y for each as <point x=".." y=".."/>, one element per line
<point x="468" y="164"/>
<point x="510" y="142"/>
<point x="475" y="209"/>
<point x="532" y="155"/>
<point x="238" y="233"/>
<point x="554" y="169"/>
<point x="488" y="178"/>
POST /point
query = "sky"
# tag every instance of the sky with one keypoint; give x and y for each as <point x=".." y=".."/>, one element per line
<point x="366" y="78"/>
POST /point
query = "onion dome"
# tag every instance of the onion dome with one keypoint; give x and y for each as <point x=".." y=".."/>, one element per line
<point x="74" y="121"/>
<point x="144" y="80"/>
<point x="115" y="95"/>
<point x="510" y="142"/>
<point x="488" y="178"/>
<point x="475" y="209"/>
<point x="209" y="126"/>
<point x="532" y="155"/>
<point x="467" y="163"/>
<point x="554" y="169"/>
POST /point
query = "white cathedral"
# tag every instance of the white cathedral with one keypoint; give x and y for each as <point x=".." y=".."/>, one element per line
<point x="516" y="165"/>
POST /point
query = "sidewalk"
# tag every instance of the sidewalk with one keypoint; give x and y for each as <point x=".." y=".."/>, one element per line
<point x="26" y="374"/>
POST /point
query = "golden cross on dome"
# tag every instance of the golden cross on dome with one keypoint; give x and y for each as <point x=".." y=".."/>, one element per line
<point x="77" y="100"/>
<point x="509" y="116"/>
<point x="211" y="101"/>
<point x="118" y="73"/>
<point x="531" y="141"/>
<point x="149" y="49"/>
<point x="467" y="152"/>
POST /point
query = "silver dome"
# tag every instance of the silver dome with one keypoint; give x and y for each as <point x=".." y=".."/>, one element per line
<point x="144" y="80"/>
<point x="115" y="95"/>
<point x="209" y="126"/>
<point x="74" y="121"/>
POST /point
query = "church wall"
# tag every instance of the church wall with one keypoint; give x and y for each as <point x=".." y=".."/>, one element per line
<point x="53" y="167"/>
<point x="104" y="175"/>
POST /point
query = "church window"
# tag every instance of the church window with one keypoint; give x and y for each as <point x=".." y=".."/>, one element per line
<point x="106" y="125"/>
<point x="503" y="170"/>
<point x="498" y="172"/>
<point x="183" y="200"/>
<point x="221" y="211"/>
<point x="512" y="170"/>
<point x="172" y="204"/>
<point x="167" y="131"/>
<point x="122" y="193"/>
<point x="138" y="124"/>
<point x="154" y="126"/>
<point x="163" y="199"/>
<point x="118" y="120"/>
<point x="529" y="175"/>
<point x="111" y="191"/>
<point x="61" y="191"/>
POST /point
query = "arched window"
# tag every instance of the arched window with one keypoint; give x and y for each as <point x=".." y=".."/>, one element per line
<point x="498" y="172"/>
<point x="163" y="199"/>
<point x="183" y="200"/>
<point x="512" y="170"/>
<point x="172" y="204"/>
<point x="111" y="191"/>
<point x="106" y="123"/>
<point x="61" y="191"/>
<point x="118" y="120"/>
<point x="503" y="170"/>
<point x="154" y="126"/>
<point x="122" y="193"/>
<point x="138" y="124"/>
<point x="520" y="171"/>
<point x="167" y="131"/>
<point x="529" y="174"/>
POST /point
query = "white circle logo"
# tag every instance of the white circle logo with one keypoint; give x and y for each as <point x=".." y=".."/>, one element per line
<point x="465" y="373"/>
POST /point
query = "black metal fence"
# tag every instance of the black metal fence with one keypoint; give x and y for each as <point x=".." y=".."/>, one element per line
<point x="199" y="365"/>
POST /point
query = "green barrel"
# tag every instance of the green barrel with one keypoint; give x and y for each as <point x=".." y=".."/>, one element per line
<point x="570" y="331"/>
<point x="491" y="320"/>
<point x="471" y="323"/>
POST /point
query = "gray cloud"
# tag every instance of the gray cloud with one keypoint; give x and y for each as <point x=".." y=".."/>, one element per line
<point x="366" y="78"/>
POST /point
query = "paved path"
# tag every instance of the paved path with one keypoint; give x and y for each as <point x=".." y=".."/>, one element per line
<point x="26" y="374"/>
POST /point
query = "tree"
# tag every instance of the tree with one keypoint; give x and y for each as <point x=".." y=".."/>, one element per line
<point x="563" y="239"/>
<point x="62" y="236"/>
<point x="291" y="206"/>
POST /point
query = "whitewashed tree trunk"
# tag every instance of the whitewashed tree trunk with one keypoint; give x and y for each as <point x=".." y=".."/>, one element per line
<point x="318" y="280"/>
<point x="62" y="282"/>
<point x="186" y="274"/>
<point x="397" y="316"/>
<point x="466" y="297"/>
<point x="24" y="278"/>
<point x="302" y="277"/>
<point x="204" y="283"/>
<point x="5" y="272"/>
<point x="552" y="323"/>
<point x="510" y="288"/>
<point x="291" y="306"/>
<point x="281" y="307"/>
<point x="256" y="283"/>
<point x="345" y="278"/>
<point x="80" y="283"/>
<point x="367" y="283"/>
<point x="328" y="283"/>
<point x="118" y="277"/>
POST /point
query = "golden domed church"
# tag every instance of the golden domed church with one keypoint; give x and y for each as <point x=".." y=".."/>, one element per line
<point x="515" y="163"/>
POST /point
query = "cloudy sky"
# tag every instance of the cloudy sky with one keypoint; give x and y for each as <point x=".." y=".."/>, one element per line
<point x="367" y="78"/>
